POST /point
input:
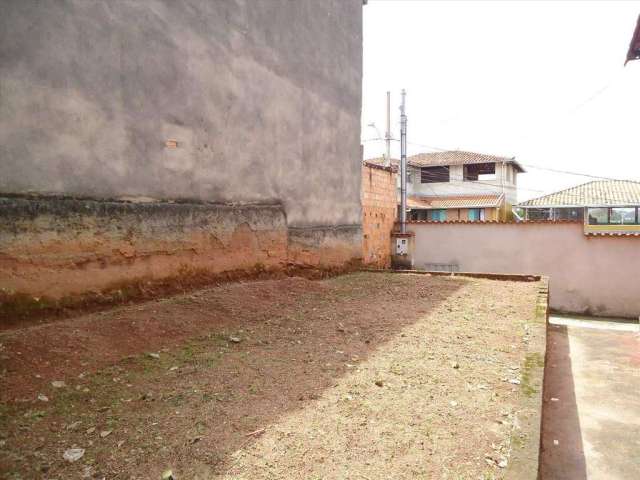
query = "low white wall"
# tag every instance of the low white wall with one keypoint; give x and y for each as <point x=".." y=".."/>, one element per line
<point x="590" y="275"/>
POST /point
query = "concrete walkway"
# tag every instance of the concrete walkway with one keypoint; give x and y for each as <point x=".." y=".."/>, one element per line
<point x="591" y="409"/>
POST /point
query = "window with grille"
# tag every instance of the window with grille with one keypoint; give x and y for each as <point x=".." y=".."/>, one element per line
<point x="434" y="174"/>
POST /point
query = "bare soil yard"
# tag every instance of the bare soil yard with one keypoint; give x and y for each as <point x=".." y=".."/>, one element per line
<point x="363" y="376"/>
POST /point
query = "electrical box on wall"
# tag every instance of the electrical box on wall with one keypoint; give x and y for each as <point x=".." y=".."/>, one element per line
<point x="402" y="250"/>
<point x="402" y="246"/>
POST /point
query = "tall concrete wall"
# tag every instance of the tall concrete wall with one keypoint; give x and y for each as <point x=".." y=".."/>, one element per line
<point x="590" y="275"/>
<point x="198" y="102"/>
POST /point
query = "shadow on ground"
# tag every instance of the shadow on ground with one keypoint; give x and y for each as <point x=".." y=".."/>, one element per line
<point x="262" y="349"/>
<point x="562" y="453"/>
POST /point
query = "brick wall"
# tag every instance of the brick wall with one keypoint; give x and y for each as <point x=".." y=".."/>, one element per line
<point x="379" y="207"/>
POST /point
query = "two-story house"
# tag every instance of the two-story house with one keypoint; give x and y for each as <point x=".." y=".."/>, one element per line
<point x="458" y="185"/>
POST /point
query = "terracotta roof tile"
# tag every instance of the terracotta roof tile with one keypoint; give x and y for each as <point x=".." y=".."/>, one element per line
<point x="450" y="157"/>
<point x="591" y="194"/>
<point x="458" y="157"/>
<point x="459" y="201"/>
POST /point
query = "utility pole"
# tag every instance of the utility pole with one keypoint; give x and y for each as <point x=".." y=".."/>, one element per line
<point x="403" y="165"/>
<point x="387" y="136"/>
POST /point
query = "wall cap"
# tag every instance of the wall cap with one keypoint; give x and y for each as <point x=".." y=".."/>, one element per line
<point x="391" y="169"/>
<point x="494" y="222"/>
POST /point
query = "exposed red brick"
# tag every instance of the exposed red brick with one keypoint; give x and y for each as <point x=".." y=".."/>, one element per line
<point x="378" y="214"/>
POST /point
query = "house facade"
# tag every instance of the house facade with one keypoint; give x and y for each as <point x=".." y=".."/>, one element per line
<point x="459" y="185"/>
<point x="604" y="206"/>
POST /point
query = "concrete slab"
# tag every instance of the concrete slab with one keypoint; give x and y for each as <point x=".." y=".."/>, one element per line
<point x="621" y="325"/>
<point x="591" y="403"/>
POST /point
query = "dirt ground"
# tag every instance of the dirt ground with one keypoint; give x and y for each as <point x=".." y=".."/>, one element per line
<point x="362" y="376"/>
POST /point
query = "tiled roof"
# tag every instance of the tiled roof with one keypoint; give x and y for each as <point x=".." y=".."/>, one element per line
<point x="591" y="194"/>
<point x="451" y="157"/>
<point x="458" y="157"/>
<point x="460" y="201"/>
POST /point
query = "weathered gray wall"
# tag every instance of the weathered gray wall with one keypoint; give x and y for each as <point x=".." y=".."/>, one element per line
<point x="263" y="96"/>
<point x="592" y="275"/>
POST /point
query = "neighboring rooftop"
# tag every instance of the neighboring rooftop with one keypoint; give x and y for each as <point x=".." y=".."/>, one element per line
<point x="457" y="201"/>
<point x="591" y="194"/>
<point x="458" y="157"/>
<point x="451" y="157"/>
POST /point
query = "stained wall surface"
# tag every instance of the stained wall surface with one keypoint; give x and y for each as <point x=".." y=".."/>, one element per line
<point x="263" y="99"/>
<point x="144" y="137"/>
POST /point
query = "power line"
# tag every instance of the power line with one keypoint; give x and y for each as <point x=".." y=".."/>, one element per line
<point x="568" y="172"/>
<point x="476" y="183"/>
<point x="537" y="167"/>
<point x="528" y="165"/>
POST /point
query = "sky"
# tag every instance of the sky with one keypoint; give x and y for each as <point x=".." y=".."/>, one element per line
<point x="542" y="81"/>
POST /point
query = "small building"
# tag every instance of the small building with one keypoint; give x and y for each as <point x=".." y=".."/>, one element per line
<point x="459" y="185"/>
<point x="604" y="206"/>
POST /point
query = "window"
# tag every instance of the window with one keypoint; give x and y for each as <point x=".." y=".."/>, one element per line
<point x="538" y="213"/>
<point x="479" y="171"/>
<point x="613" y="216"/>
<point x="598" y="216"/>
<point x="567" y="213"/>
<point x="475" y="214"/>
<point x="434" y="174"/>
<point x="622" y="216"/>
<point x="438" y="215"/>
<point x="418" y="215"/>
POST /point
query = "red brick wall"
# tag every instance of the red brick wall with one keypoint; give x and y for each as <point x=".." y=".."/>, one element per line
<point x="378" y="214"/>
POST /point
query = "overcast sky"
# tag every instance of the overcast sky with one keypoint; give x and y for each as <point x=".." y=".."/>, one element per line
<point x="541" y="81"/>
